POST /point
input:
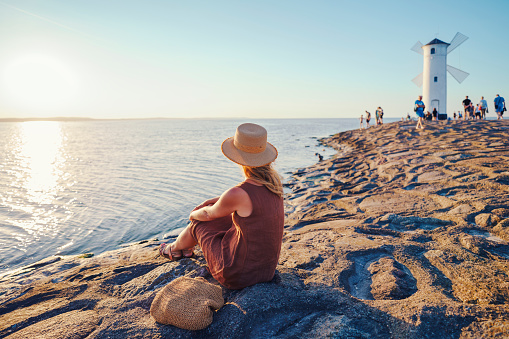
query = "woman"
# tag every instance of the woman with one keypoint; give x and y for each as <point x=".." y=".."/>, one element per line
<point x="419" y="110"/>
<point x="240" y="232"/>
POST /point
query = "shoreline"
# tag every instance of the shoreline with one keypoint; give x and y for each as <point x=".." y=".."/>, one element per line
<point x="149" y="210"/>
<point x="405" y="233"/>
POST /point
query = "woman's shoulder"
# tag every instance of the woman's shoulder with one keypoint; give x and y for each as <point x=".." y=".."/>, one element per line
<point x="236" y="192"/>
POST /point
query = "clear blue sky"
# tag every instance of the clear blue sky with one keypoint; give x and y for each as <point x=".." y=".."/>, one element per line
<point x="254" y="59"/>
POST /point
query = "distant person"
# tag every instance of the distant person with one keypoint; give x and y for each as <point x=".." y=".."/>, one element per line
<point x="470" y="110"/>
<point x="377" y="117"/>
<point x="368" y="119"/>
<point x="454" y="115"/>
<point x="460" y="116"/>
<point x="380" y="115"/>
<point x="466" y="104"/>
<point x="499" y="106"/>
<point x="408" y="116"/>
<point x="419" y="110"/>
<point x="435" y="114"/>
<point x="320" y="157"/>
<point x="478" y="112"/>
<point x="429" y="117"/>
<point x="240" y="232"/>
<point x="484" y="108"/>
<point x="362" y="121"/>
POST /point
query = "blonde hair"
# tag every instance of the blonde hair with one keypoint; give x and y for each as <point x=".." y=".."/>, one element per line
<point x="267" y="176"/>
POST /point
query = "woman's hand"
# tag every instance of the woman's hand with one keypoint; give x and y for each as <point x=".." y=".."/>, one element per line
<point x="208" y="202"/>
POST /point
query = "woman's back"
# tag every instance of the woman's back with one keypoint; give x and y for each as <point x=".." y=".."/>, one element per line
<point x="243" y="251"/>
<point x="254" y="242"/>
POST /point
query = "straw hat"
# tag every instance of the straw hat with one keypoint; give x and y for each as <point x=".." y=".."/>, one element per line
<point x="249" y="146"/>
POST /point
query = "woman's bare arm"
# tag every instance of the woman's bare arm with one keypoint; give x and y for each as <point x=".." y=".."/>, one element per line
<point x="207" y="202"/>
<point x="234" y="199"/>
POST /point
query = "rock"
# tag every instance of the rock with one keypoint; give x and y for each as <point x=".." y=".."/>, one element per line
<point x="431" y="176"/>
<point x="364" y="187"/>
<point x="390" y="281"/>
<point x="462" y="209"/>
<point x="502" y="229"/>
<point x="501" y="212"/>
<point x="486" y="219"/>
<point x="69" y="325"/>
<point x="402" y="223"/>
<point x="474" y="279"/>
<point x="496" y="328"/>
<point x="379" y="243"/>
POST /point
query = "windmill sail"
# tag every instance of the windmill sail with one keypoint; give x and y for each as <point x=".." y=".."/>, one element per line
<point x="456" y="41"/>
<point x="417" y="48"/>
<point x="418" y="80"/>
<point x="457" y="74"/>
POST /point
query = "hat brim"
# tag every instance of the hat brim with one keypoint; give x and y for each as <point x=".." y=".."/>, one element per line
<point x="248" y="159"/>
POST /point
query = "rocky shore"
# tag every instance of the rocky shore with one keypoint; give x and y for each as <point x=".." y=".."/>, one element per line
<point x="404" y="234"/>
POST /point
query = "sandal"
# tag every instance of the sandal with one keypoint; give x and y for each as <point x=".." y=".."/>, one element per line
<point x="173" y="256"/>
<point x="188" y="253"/>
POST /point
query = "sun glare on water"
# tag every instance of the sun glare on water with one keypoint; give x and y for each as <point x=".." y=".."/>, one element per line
<point x="39" y="82"/>
<point x="41" y="158"/>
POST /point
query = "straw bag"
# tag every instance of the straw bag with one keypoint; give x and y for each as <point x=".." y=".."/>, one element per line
<point x="187" y="303"/>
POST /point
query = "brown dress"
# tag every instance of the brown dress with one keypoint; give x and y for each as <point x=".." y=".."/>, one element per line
<point x="243" y="251"/>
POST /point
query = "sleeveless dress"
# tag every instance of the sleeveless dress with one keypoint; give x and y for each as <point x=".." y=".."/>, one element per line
<point x="243" y="251"/>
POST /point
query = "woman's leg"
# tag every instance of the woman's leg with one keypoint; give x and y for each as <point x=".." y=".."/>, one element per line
<point x="181" y="247"/>
<point x="184" y="241"/>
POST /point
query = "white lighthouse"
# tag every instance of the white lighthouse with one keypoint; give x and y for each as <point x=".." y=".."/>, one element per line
<point x="434" y="75"/>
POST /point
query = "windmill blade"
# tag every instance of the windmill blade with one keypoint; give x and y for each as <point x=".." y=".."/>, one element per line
<point x="417" y="48"/>
<point x="418" y="80"/>
<point x="457" y="74"/>
<point x="456" y="41"/>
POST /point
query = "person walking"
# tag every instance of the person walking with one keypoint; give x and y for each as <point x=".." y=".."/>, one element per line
<point x="240" y="232"/>
<point x="419" y="110"/>
<point x="466" y="105"/>
<point x="499" y="106"/>
<point x="484" y="108"/>
<point x="362" y="121"/>
<point x="368" y="119"/>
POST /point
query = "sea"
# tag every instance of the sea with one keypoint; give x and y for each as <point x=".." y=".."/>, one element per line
<point x="74" y="187"/>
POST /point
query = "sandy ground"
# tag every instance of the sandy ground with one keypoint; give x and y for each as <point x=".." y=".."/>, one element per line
<point x="404" y="234"/>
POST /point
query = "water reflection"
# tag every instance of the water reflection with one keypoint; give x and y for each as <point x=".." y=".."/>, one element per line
<point x="32" y="207"/>
<point x="41" y="159"/>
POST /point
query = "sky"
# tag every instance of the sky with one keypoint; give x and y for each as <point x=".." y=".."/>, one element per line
<point x="247" y="59"/>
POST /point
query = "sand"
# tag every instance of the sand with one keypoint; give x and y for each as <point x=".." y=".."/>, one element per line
<point x="404" y="234"/>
